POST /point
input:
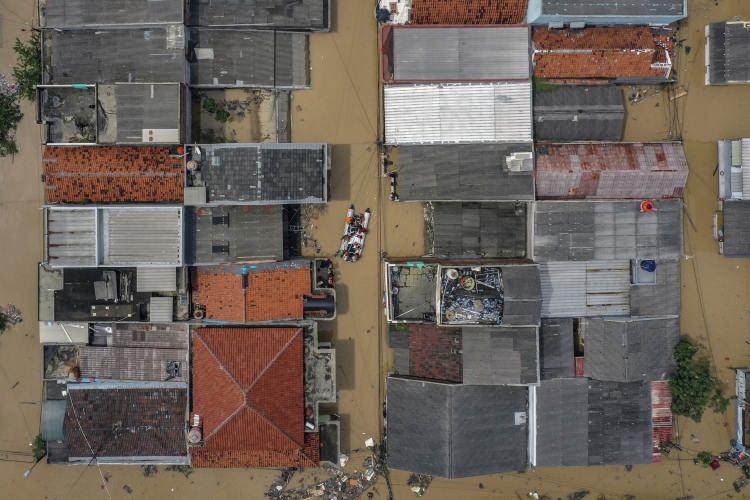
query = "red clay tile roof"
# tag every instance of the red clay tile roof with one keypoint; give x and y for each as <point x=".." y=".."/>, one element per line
<point x="112" y="175"/>
<point x="248" y="389"/>
<point x="435" y="353"/>
<point x="271" y="295"/>
<point x="468" y="11"/>
<point x="567" y="55"/>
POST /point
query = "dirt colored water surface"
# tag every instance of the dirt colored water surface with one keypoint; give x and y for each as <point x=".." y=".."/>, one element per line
<point x="342" y="108"/>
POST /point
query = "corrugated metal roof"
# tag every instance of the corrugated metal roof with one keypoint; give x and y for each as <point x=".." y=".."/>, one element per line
<point x="53" y="417"/>
<point x="736" y="228"/>
<point x="461" y="53"/>
<point x="462" y="172"/>
<point x="164" y="335"/>
<point x="458" y="113"/>
<point x="102" y="13"/>
<point x="562" y="422"/>
<point x="139" y="363"/>
<point x="556" y="348"/>
<point x="639" y="8"/>
<point x="728" y="48"/>
<point x="611" y="170"/>
<point x="156" y="279"/>
<point x="472" y="230"/>
<point x="155" y="55"/>
<point x="602" y="230"/>
<point x="628" y="350"/>
<point x="57" y="332"/>
<point x="137" y="236"/>
<point x="161" y="309"/>
<point x="579" y="113"/>
<point x="311" y="15"/>
<point x="581" y="289"/>
<point x="500" y="356"/>
<point x="71" y="237"/>
<point x="248" y="58"/>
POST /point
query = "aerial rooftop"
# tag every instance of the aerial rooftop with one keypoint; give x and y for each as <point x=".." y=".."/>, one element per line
<point x="459" y="53"/>
<point x="308" y="15"/>
<point x="727" y="50"/>
<point x="579" y="113"/>
<point x="248" y="58"/>
<point x="112" y="175"/>
<point x="468" y="11"/>
<point x="607" y="12"/>
<point x="464" y="172"/>
<point x="458" y="113"/>
<point x="258" y="174"/>
<point x="108" y="13"/>
<point x="144" y="55"/>
<point x="636" y="54"/>
<point x="239" y="375"/>
<point x="638" y="170"/>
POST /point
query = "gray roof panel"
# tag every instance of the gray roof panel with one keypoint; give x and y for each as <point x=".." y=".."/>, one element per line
<point x="613" y="7"/>
<point x="145" y="55"/>
<point x="103" y="13"/>
<point x="462" y="172"/>
<point x="523" y="295"/>
<point x="310" y="15"/>
<point x="592" y="230"/>
<point x="579" y="113"/>
<point x="736" y="228"/>
<point x="473" y="230"/>
<point x="452" y="430"/>
<point x="248" y="58"/>
<point x="556" y="348"/>
<point x="627" y="350"/>
<point x="461" y="53"/>
<point x="729" y="53"/>
<point x="500" y="356"/>
<point x="234" y="234"/>
<point x="562" y="428"/>
<point x="661" y="298"/>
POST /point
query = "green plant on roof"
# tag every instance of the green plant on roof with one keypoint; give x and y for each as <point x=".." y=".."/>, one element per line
<point x="222" y="115"/>
<point x="543" y="85"/>
<point x="28" y="68"/>
<point x="693" y="386"/>
<point x="10" y="116"/>
<point x="209" y="105"/>
<point x="39" y="447"/>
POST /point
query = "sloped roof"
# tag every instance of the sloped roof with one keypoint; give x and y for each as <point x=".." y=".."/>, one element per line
<point x="627" y="350"/>
<point x="612" y="53"/>
<point x="523" y="295"/>
<point x="487" y="230"/>
<point x="637" y="170"/>
<point x="435" y="352"/>
<point x="462" y="172"/>
<point x="458" y="53"/>
<point x="126" y="424"/>
<point x="613" y="7"/>
<point x="579" y="113"/>
<point x="590" y="422"/>
<point x="248" y="389"/>
<point x="736" y="228"/>
<point x="453" y="430"/>
<point x="468" y="11"/>
<point x="556" y="348"/>
<point x="233" y="234"/>
<point x="271" y="294"/>
<point x="311" y="15"/>
<point x="500" y="356"/>
<point x="106" y="13"/>
<point x="602" y="230"/>
<point x="102" y="174"/>
<point x="728" y="47"/>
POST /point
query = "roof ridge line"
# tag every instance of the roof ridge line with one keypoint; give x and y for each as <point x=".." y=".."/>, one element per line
<point x="231" y="377"/>
<point x="273" y="361"/>
<point x="275" y="426"/>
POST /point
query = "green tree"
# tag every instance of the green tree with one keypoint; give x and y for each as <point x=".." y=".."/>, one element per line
<point x="10" y="116"/>
<point x="693" y="387"/>
<point x="28" y="68"/>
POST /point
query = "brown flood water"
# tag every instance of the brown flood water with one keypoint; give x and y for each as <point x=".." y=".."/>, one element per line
<point x="342" y="109"/>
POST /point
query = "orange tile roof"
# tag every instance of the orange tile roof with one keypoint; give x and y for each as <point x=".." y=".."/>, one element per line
<point x="271" y="294"/>
<point x="600" y="53"/>
<point x="248" y="389"/>
<point x="468" y="11"/>
<point x="112" y="175"/>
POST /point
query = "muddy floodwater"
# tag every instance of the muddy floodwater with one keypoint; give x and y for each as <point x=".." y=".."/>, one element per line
<point x="342" y="108"/>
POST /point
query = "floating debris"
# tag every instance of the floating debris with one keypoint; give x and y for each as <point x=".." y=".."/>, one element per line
<point x="149" y="470"/>
<point x="355" y="232"/>
<point x="419" y="483"/>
